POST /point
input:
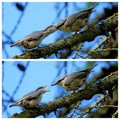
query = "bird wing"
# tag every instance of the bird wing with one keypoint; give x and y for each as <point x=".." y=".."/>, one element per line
<point x="79" y="15"/>
<point x="35" y="96"/>
<point x="83" y="73"/>
<point x="77" y="75"/>
<point x="32" y="36"/>
<point x="30" y="96"/>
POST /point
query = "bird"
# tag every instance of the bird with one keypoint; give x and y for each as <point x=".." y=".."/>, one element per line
<point x="31" y="99"/>
<point x="76" y="21"/>
<point x="75" y="80"/>
<point x="34" y="39"/>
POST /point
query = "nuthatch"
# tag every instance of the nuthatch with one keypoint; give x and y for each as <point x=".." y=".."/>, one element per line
<point x="34" y="39"/>
<point x="74" y="80"/>
<point x="75" y="22"/>
<point x="31" y="99"/>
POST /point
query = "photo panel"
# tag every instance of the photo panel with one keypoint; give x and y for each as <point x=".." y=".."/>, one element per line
<point x="65" y="30"/>
<point x="59" y="89"/>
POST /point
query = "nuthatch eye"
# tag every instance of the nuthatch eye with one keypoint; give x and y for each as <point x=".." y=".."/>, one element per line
<point x="34" y="39"/>
<point x="74" y="80"/>
<point x="31" y="99"/>
<point x="75" y="22"/>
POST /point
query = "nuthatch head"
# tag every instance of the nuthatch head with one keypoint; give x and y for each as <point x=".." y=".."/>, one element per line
<point x="75" y="22"/>
<point x="31" y="99"/>
<point x="34" y="39"/>
<point x="74" y="80"/>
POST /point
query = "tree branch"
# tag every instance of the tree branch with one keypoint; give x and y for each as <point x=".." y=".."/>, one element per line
<point x="106" y="84"/>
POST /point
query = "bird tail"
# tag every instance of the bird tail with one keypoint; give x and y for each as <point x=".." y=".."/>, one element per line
<point x="91" y="9"/>
<point x="89" y="69"/>
<point x="93" y="6"/>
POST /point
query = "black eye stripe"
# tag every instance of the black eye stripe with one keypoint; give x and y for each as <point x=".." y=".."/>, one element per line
<point x="31" y="40"/>
<point x="60" y="80"/>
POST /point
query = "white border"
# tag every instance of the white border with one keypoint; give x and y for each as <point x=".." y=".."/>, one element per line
<point x="59" y="59"/>
<point x="51" y="59"/>
<point x="59" y="0"/>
